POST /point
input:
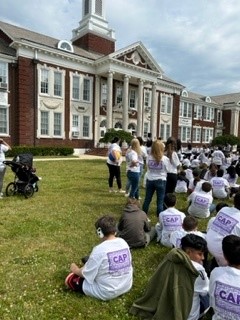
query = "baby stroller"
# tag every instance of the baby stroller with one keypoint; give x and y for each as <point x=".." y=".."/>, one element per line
<point x="25" y="181"/>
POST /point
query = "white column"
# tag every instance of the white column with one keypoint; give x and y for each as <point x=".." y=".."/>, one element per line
<point x="153" y="122"/>
<point x="140" y="109"/>
<point x="96" y="120"/>
<point x="234" y="122"/>
<point x="125" y="102"/>
<point x="109" y="100"/>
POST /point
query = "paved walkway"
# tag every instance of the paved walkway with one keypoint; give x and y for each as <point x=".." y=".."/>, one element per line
<point x="80" y="157"/>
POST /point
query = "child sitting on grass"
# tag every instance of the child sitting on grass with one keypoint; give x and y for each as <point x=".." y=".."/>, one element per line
<point x="176" y="287"/>
<point x="189" y="225"/>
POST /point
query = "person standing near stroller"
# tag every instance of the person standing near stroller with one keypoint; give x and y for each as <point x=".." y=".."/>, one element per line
<point x="4" y="147"/>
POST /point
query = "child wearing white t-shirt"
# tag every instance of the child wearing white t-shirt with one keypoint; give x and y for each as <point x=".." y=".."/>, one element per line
<point x="189" y="225"/>
<point x="170" y="220"/>
<point x="224" y="285"/>
<point x="201" y="202"/>
<point x="220" y="186"/>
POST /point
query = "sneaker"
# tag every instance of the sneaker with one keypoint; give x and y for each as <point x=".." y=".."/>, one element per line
<point x="121" y="191"/>
<point x="126" y="194"/>
<point x="111" y="191"/>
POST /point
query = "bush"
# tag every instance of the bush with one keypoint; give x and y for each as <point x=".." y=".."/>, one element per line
<point x="41" y="151"/>
<point x="226" y="139"/>
<point x="111" y="133"/>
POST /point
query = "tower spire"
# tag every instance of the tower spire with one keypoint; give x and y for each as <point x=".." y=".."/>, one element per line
<point x="93" y="33"/>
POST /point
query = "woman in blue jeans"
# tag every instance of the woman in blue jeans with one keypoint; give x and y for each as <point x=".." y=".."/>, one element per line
<point x="133" y="168"/>
<point x="157" y="168"/>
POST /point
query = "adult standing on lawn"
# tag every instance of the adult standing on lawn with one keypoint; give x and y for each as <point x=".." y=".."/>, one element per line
<point x="114" y="161"/>
<point x="157" y="168"/>
<point x="133" y="168"/>
<point x="108" y="271"/>
<point x="171" y="148"/>
<point x="4" y="147"/>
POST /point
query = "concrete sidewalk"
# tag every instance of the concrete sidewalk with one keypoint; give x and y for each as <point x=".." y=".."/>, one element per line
<point x="80" y="157"/>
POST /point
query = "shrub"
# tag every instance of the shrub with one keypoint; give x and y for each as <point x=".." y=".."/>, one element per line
<point x="40" y="151"/>
<point x="111" y="133"/>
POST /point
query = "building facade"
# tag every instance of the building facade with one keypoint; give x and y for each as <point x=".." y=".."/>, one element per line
<point x="69" y="93"/>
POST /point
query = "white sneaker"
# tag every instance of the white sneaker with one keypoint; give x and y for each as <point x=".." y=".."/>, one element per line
<point x="126" y="194"/>
<point x="121" y="191"/>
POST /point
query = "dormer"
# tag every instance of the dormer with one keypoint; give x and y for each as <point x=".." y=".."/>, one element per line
<point x="65" y="45"/>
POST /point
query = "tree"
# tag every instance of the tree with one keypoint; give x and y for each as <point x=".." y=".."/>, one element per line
<point x="226" y="139"/>
<point x="111" y="133"/>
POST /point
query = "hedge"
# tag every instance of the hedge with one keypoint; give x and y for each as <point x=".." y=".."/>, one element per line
<point x="40" y="151"/>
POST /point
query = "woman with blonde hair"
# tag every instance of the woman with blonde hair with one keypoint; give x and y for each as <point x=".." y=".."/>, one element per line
<point x="157" y="168"/>
<point x="133" y="167"/>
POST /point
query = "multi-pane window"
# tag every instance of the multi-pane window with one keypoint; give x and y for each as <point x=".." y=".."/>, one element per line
<point x="86" y="128"/>
<point x="86" y="89"/>
<point x="76" y="88"/>
<point x="165" y="131"/>
<point x="197" y="112"/>
<point x="132" y="98"/>
<point x="44" y="123"/>
<point x="3" y="72"/>
<point x="147" y="102"/>
<point x="219" y="116"/>
<point x="75" y="120"/>
<point x="166" y="104"/>
<point x="207" y="135"/>
<point x="119" y="94"/>
<point x="145" y="129"/>
<point x="3" y="120"/>
<point x="185" y="109"/>
<point x="196" y="134"/>
<point x="104" y="92"/>
<point x="57" y="84"/>
<point x="44" y="81"/>
<point x="185" y="134"/>
<point x="208" y="113"/>
<point x="57" y="131"/>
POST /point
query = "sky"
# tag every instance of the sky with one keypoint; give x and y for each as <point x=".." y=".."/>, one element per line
<point x="195" y="42"/>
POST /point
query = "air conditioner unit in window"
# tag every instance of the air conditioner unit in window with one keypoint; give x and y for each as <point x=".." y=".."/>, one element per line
<point x="3" y="85"/>
<point x="75" y="134"/>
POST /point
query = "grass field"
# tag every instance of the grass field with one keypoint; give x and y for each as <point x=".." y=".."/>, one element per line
<point x="42" y="235"/>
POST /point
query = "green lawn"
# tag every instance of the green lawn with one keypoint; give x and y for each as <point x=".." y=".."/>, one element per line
<point x="42" y="235"/>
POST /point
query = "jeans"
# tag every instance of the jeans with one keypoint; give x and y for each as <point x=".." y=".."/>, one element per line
<point x="152" y="186"/>
<point x="133" y="178"/>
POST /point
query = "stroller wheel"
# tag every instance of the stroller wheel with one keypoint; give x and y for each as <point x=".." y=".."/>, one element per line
<point x="28" y="191"/>
<point x="11" y="189"/>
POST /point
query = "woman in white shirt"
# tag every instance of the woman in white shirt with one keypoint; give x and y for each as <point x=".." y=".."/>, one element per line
<point x="157" y="168"/>
<point x="174" y="165"/>
<point x="133" y="168"/>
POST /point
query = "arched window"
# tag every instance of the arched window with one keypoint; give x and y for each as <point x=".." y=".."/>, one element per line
<point x="131" y="126"/>
<point x="118" y="125"/>
<point x="103" y="123"/>
<point x="65" y="45"/>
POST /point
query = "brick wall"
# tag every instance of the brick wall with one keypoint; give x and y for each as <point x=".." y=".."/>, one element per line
<point x="91" y="42"/>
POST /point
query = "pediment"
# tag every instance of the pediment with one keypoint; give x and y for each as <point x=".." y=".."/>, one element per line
<point x="137" y="55"/>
